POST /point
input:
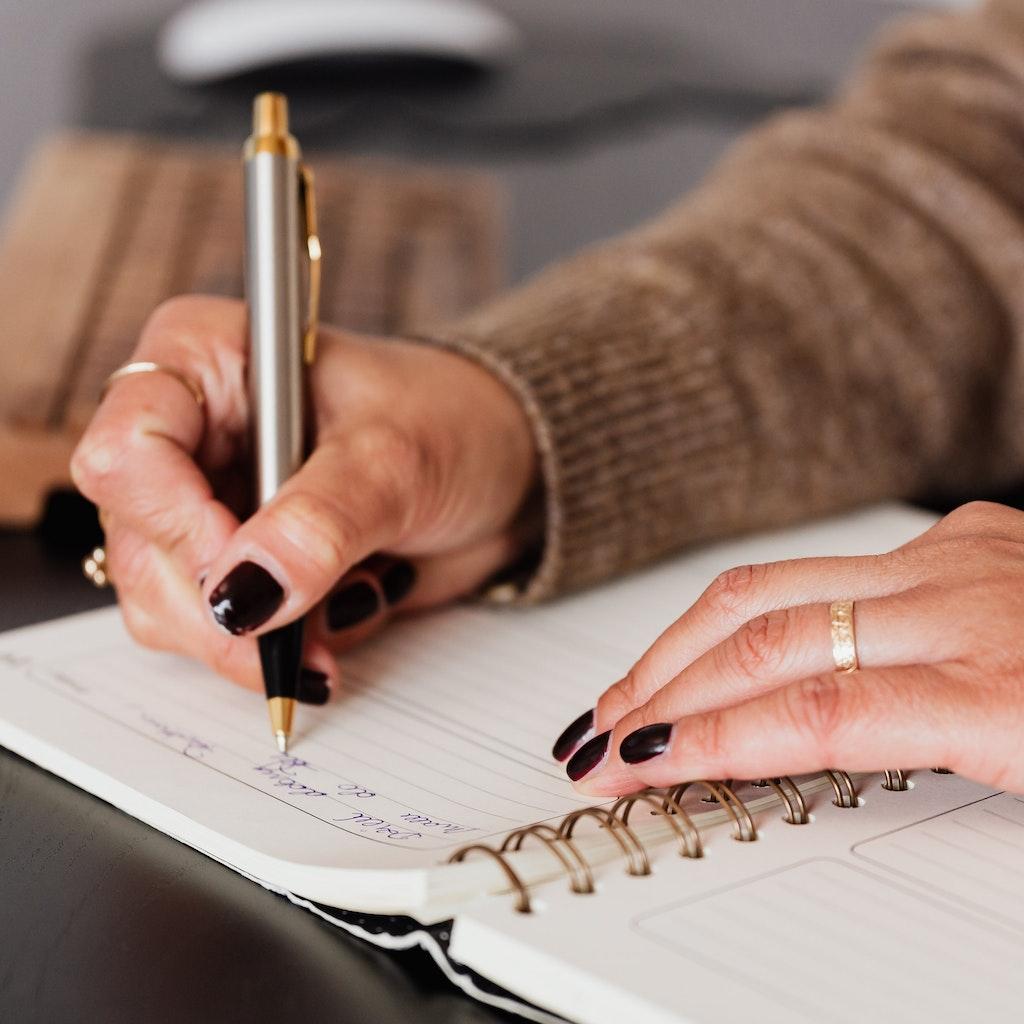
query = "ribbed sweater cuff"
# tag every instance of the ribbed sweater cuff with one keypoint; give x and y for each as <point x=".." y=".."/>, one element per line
<point x="631" y="411"/>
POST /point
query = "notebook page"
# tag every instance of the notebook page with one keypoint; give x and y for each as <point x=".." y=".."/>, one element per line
<point x="806" y="924"/>
<point x="440" y="736"/>
<point x="378" y="778"/>
<point x="974" y="855"/>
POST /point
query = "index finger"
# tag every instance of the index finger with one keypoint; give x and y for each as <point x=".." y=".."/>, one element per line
<point x="137" y="457"/>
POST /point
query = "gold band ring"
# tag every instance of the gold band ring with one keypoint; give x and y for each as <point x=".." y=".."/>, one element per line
<point x="131" y="369"/>
<point x="94" y="568"/>
<point x="844" y="637"/>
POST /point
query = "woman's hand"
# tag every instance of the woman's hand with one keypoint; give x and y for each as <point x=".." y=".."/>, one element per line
<point x="419" y="453"/>
<point x="743" y="684"/>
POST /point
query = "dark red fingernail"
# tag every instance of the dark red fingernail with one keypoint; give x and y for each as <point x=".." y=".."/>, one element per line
<point x="351" y="605"/>
<point x="246" y="598"/>
<point x="313" y="688"/>
<point x="645" y="743"/>
<point x="573" y="735"/>
<point x="588" y="757"/>
<point x="396" y="581"/>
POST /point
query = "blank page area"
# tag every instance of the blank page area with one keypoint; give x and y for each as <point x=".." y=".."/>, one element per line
<point x="974" y="855"/>
<point x="830" y="942"/>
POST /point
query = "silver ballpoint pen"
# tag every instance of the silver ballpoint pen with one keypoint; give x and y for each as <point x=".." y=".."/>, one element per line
<point x="280" y="236"/>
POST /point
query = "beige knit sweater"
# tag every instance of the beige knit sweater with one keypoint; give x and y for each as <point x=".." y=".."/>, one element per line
<point x="836" y="316"/>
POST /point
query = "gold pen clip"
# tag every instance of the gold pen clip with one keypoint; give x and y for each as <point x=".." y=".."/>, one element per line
<point x="308" y="196"/>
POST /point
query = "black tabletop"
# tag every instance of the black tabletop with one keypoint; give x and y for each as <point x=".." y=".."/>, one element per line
<point x="605" y="119"/>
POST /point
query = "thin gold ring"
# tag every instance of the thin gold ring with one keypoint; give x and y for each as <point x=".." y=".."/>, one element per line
<point x="844" y="636"/>
<point x="131" y="369"/>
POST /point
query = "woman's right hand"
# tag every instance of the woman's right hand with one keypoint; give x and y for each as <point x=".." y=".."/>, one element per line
<point x="419" y="453"/>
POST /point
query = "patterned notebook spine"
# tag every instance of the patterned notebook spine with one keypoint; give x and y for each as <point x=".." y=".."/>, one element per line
<point x="667" y="803"/>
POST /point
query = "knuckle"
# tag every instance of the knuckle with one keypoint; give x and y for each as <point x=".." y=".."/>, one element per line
<point x="731" y="591"/>
<point x="385" y="443"/>
<point x="174" y="536"/>
<point x="315" y="526"/>
<point x="817" y="709"/>
<point x="975" y="515"/>
<point x="94" y="461"/>
<point x="705" y="737"/>
<point x="200" y="329"/>
<point x="628" y="693"/>
<point x="175" y="314"/>
<point x="394" y="459"/>
<point x="759" y="647"/>
<point x="176" y="307"/>
<point x="906" y="565"/>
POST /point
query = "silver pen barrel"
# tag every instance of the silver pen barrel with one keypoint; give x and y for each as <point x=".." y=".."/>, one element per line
<point x="272" y="218"/>
<point x="272" y="259"/>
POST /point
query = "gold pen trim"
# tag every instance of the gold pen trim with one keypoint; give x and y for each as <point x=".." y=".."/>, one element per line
<point x="282" y="711"/>
<point x="307" y="193"/>
<point x="270" y="128"/>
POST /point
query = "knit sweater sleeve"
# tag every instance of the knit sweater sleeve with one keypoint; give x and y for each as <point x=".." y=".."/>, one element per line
<point x="833" y="318"/>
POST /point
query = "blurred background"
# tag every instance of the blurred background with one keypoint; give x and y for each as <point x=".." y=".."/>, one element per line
<point x="588" y="116"/>
<point x="602" y="94"/>
<point x="573" y="119"/>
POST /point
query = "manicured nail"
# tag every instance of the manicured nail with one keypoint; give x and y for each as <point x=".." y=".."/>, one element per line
<point x="246" y="598"/>
<point x="351" y="605"/>
<point x="572" y="735"/>
<point x="645" y="743"/>
<point x="588" y="757"/>
<point x="396" y="581"/>
<point x="313" y="688"/>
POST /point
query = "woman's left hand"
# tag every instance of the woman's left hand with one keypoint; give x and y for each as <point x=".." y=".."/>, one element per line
<point x="744" y="685"/>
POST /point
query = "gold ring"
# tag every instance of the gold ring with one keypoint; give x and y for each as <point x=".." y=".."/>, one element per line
<point x="844" y="637"/>
<point x="131" y="369"/>
<point x="94" y="567"/>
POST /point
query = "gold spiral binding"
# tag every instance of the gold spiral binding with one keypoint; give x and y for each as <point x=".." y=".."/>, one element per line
<point x="710" y="798"/>
<point x="843" y="787"/>
<point x="581" y="879"/>
<point x="668" y="804"/>
<point x="637" y="861"/>
<point x="895" y="780"/>
<point x="522" y="893"/>
<point x="690" y="844"/>
<point x="789" y="793"/>
<point x="746" y="831"/>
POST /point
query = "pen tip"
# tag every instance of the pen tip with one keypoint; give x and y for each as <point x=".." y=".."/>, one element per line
<point x="282" y="742"/>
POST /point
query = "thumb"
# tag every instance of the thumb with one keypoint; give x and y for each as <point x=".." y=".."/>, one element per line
<point x="354" y="496"/>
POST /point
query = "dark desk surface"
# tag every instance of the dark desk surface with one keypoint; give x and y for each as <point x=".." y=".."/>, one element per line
<point x="104" y="919"/>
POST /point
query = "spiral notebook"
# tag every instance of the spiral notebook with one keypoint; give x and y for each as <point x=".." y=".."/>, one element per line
<point x="422" y="808"/>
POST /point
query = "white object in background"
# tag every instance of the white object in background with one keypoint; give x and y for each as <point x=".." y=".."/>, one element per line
<point x="214" y="39"/>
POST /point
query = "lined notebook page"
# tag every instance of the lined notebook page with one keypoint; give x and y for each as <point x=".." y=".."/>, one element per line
<point x="974" y="855"/>
<point x="829" y="942"/>
<point x="399" y="765"/>
<point x="441" y="734"/>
